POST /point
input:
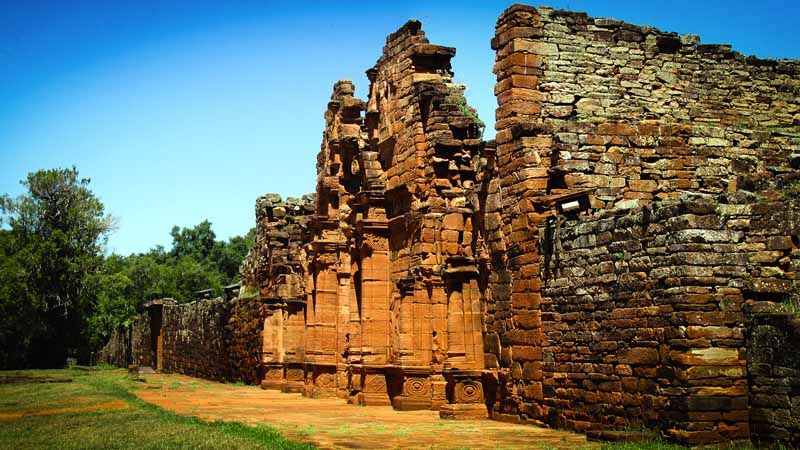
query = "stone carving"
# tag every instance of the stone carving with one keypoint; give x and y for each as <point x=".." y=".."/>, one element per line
<point x="468" y="392"/>
<point x="596" y="266"/>
<point x="438" y="352"/>
<point x="417" y="387"/>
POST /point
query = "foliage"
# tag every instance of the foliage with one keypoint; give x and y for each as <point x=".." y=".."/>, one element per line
<point x="112" y="308"/>
<point x="196" y="242"/>
<point x="790" y="305"/>
<point x="57" y="232"/>
<point x="196" y="261"/>
<point x="61" y="296"/>
<point x="456" y="97"/>
<point x="19" y="310"/>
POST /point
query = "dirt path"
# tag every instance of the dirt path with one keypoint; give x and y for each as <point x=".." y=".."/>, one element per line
<point x="331" y="423"/>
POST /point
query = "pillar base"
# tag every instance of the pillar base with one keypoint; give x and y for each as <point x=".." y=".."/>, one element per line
<point x="372" y="399"/>
<point x="372" y="387"/>
<point x="273" y="377"/>
<point x="293" y="387"/>
<point x="274" y="385"/>
<point x="295" y="379"/>
<point x="464" y="411"/>
<point x="323" y="392"/>
<point x="403" y="403"/>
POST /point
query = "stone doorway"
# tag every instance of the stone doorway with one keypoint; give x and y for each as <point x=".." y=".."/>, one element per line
<point x="157" y="335"/>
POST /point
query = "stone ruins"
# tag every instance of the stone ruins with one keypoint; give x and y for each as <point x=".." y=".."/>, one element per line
<point x="614" y="259"/>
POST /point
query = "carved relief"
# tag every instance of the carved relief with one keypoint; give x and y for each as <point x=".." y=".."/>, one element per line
<point x="469" y="391"/>
<point x="417" y="387"/>
<point x="438" y="350"/>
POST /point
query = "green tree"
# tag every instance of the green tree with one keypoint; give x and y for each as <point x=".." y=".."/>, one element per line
<point x="113" y="307"/>
<point x="196" y="242"/>
<point x="191" y="276"/>
<point x="228" y="256"/>
<point x="58" y="230"/>
<point x="20" y="320"/>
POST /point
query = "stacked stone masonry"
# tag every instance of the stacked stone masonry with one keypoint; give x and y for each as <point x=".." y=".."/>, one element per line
<point x="774" y="366"/>
<point x="613" y="259"/>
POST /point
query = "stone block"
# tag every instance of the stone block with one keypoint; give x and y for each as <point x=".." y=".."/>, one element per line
<point x="639" y="356"/>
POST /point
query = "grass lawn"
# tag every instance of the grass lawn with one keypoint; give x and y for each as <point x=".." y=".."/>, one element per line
<point x="42" y="409"/>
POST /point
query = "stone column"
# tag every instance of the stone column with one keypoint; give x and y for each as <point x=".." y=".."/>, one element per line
<point x="273" y="356"/>
<point x="524" y="145"/>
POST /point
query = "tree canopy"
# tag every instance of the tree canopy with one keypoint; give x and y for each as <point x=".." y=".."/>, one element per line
<point x="57" y="232"/>
<point x="61" y="296"/>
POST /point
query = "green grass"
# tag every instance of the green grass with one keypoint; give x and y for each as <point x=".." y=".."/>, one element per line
<point x="791" y="305"/>
<point x="139" y="425"/>
<point x="658" y="444"/>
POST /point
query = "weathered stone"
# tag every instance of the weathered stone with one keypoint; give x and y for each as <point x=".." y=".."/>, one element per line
<point x="601" y="264"/>
<point x="638" y="356"/>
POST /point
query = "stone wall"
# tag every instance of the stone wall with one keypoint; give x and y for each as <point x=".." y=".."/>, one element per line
<point x="142" y="353"/>
<point x="773" y="338"/>
<point x="190" y="338"/>
<point x="117" y="351"/>
<point x="773" y="363"/>
<point x="632" y="318"/>
<point x="245" y="329"/>
<point x="195" y="339"/>
<point x="643" y="325"/>
<point x="637" y="114"/>
<point x="643" y="319"/>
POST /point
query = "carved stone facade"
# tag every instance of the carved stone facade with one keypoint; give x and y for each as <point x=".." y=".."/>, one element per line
<point x="389" y="305"/>
<point x="444" y="272"/>
<point x="611" y="260"/>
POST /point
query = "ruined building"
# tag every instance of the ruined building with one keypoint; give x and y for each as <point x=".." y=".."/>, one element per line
<point x="615" y="258"/>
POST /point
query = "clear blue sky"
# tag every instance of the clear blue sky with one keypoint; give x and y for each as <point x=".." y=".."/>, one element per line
<point x="182" y="111"/>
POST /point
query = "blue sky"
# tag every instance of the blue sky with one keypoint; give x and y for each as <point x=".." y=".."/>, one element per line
<point x="185" y="111"/>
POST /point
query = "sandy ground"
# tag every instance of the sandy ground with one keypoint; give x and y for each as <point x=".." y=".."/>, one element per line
<point x="331" y="423"/>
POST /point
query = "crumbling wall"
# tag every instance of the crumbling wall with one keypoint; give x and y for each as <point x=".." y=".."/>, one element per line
<point x="332" y="319"/>
<point x="266" y="342"/>
<point x="637" y="114"/>
<point x="645" y="317"/>
<point x="429" y="144"/>
<point x="117" y="350"/>
<point x="142" y="353"/>
<point x="644" y="321"/>
<point x="195" y="339"/>
<point x="393" y="299"/>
